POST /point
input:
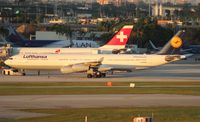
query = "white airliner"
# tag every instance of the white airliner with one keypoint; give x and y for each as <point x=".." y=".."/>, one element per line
<point x="96" y="65"/>
<point x="117" y="43"/>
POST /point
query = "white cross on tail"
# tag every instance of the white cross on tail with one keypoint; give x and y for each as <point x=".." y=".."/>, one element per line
<point x="121" y="36"/>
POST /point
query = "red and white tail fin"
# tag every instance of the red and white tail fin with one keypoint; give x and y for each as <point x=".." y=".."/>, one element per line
<point x="120" y="38"/>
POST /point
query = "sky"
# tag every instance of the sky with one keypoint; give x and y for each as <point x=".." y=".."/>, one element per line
<point x="191" y="1"/>
<point x="152" y="0"/>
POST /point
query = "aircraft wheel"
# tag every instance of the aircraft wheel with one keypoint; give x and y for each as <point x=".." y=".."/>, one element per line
<point x="99" y="74"/>
<point x="95" y="76"/>
<point x="103" y="75"/>
<point x="89" y="76"/>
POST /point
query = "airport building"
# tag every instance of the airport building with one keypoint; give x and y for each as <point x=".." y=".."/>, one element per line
<point x="164" y="10"/>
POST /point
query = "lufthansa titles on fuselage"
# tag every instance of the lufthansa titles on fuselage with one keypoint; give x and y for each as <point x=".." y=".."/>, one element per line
<point x="32" y="56"/>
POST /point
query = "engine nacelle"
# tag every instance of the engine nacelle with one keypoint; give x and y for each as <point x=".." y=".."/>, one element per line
<point x="74" y="68"/>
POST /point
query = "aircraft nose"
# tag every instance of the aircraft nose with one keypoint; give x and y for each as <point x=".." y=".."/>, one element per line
<point x="7" y="62"/>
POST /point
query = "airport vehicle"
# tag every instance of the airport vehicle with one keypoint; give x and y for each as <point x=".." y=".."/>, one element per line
<point x="143" y="119"/>
<point x="96" y="65"/>
<point x="13" y="72"/>
<point x="115" y="45"/>
<point x="17" y="40"/>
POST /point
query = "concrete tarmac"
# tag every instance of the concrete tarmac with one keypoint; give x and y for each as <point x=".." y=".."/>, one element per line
<point x="97" y="101"/>
<point x="169" y="72"/>
<point x="9" y="104"/>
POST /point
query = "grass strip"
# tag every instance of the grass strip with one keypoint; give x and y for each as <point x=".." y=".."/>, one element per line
<point x="98" y="90"/>
<point x="163" y="114"/>
<point x="185" y="88"/>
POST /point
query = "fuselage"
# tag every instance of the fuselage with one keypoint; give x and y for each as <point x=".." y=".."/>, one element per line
<point x="57" y="61"/>
<point x="50" y="50"/>
<point x="61" y="50"/>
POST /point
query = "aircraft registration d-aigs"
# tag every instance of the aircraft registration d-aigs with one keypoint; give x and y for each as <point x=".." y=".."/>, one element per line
<point x="97" y="65"/>
<point x="114" y="45"/>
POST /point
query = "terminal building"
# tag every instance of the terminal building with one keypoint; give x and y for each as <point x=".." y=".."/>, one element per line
<point x="159" y="9"/>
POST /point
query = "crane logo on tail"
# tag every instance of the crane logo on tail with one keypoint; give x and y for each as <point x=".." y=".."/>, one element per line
<point x="176" y="42"/>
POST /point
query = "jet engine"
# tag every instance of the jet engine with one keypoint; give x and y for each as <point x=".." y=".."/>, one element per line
<point x="74" y="68"/>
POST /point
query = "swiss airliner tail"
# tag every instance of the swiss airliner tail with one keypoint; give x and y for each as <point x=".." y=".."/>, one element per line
<point x="120" y="39"/>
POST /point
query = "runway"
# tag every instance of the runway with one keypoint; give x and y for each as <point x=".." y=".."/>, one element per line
<point x="97" y="101"/>
<point x="169" y="72"/>
<point x="9" y="104"/>
<point x="175" y="72"/>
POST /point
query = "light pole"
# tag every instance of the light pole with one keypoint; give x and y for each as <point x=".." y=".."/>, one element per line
<point x="149" y="8"/>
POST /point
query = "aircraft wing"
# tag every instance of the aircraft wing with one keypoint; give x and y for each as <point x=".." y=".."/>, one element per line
<point x="94" y="63"/>
<point x="81" y="67"/>
<point x="185" y="56"/>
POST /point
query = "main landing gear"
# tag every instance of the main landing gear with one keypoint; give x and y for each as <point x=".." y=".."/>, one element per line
<point x="94" y="73"/>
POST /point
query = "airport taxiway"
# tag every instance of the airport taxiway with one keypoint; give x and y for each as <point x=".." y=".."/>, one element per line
<point x="97" y="101"/>
<point x="169" y="72"/>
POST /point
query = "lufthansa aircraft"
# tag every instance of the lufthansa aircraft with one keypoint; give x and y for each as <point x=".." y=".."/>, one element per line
<point x="96" y="65"/>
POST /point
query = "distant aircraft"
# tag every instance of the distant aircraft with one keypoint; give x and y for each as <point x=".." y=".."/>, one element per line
<point x="115" y="45"/>
<point x="96" y="65"/>
<point x="194" y="49"/>
<point x="18" y="40"/>
<point x="2" y="40"/>
<point x="153" y="46"/>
